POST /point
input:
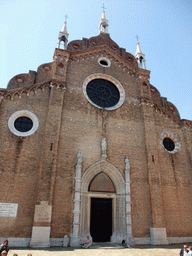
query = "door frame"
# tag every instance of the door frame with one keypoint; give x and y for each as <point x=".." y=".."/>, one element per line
<point x="106" y="196"/>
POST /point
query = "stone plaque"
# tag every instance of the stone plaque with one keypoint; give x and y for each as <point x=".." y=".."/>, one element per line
<point x="8" y="210"/>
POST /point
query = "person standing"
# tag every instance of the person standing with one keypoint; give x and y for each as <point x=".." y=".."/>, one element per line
<point x="190" y="251"/>
<point x="4" y="246"/>
<point x="184" y="251"/>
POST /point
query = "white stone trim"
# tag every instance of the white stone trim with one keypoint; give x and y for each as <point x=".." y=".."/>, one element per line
<point x="128" y="200"/>
<point x="105" y="59"/>
<point x="110" y="170"/>
<point x="112" y="80"/>
<point x="119" y="227"/>
<point x="75" y="238"/>
<point x="21" y="113"/>
<point x="171" y="135"/>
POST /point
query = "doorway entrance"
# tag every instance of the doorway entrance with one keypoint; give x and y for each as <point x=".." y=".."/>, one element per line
<point x="101" y="219"/>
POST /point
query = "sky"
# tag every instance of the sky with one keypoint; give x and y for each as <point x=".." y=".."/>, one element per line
<point x="29" y="31"/>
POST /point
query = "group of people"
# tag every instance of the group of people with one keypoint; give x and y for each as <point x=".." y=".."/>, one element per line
<point x="4" y="248"/>
<point x="185" y="251"/>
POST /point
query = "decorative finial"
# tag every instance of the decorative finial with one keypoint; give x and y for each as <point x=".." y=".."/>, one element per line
<point x="66" y="17"/>
<point x="103" y="24"/>
<point x="63" y="35"/>
<point x="140" y="57"/>
<point x="103" y="7"/>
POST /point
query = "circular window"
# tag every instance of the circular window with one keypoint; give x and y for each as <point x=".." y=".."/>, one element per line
<point x="169" y="144"/>
<point x="103" y="93"/>
<point x="104" y="62"/>
<point x="23" y="123"/>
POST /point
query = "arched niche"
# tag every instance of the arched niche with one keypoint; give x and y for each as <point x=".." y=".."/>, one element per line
<point x="110" y="170"/>
<point x="101" y="183"/>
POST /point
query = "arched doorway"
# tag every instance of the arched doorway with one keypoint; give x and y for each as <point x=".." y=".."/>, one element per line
<point x="103" y="185"/>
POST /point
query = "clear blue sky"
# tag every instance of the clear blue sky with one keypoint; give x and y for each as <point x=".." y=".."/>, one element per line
<point x="29" y="30"/>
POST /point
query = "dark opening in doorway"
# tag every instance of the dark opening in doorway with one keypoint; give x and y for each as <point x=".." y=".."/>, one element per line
<point x="101" y="219"/>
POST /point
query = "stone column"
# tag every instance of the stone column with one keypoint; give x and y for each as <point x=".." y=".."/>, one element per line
<point x="128" y="200"/>
<point x="75" y="237"/>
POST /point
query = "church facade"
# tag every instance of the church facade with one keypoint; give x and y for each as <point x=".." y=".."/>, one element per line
<point x="89" y="147"/>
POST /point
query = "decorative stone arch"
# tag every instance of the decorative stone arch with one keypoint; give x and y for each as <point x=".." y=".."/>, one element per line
<point x="119" y="228"/>
<point x="107" y="168"/>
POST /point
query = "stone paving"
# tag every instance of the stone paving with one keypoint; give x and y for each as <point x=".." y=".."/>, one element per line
<point x="101" y="249"/>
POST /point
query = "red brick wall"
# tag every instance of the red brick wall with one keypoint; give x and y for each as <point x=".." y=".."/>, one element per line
<point x="82" y="127"/>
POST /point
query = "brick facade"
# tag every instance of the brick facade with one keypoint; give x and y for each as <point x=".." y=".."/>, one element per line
<point x="38" y="172"/>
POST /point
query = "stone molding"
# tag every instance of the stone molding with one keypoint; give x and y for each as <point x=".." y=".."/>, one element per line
<point x="110" y="170"/>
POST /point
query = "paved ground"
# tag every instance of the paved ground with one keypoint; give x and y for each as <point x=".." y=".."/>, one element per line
<point x="101" y="249"/>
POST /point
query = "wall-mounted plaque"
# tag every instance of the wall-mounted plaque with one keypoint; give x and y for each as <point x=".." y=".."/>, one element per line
<point x="8" y="210"/>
